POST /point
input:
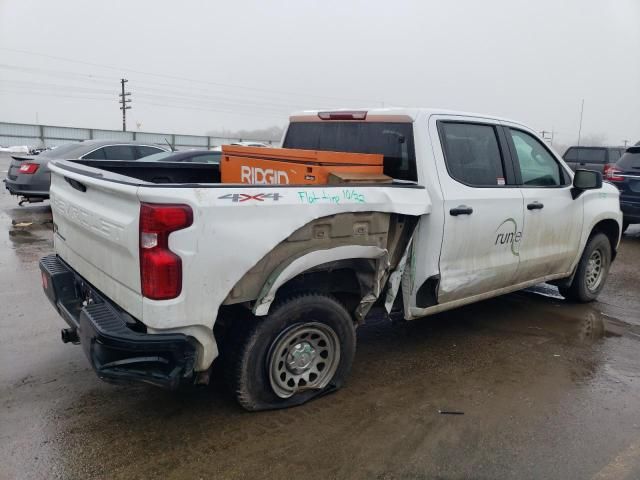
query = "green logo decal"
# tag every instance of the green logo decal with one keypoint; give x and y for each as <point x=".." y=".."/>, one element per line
<point x="510" y="238"/>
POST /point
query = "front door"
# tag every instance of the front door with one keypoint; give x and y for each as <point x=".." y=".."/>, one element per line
<point x="552" y="218"/>
<point x="483" y="210"/>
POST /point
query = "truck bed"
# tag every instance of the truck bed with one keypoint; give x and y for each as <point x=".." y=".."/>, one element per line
<point x="159" y="172"/>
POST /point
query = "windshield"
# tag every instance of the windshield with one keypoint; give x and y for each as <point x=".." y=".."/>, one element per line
<point x="393" y="140"/>
<point x="586" y="154"/>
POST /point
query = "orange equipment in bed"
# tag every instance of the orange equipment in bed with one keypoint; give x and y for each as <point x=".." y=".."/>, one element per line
<point x="288" y="166"/>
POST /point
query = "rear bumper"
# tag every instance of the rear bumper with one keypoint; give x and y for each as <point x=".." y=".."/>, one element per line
<point x="117" y="347"/>
<point x="26" y="189"/>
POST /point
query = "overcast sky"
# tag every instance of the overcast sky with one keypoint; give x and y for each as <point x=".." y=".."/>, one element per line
<point x="196" y="66"/>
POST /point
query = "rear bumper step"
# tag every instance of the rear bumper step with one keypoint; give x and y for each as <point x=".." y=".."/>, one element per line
<point x="117" y="352"/>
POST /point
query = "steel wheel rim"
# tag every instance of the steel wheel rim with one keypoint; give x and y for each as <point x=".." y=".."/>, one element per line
<point x="595" y="268"/>
<point x="303" y="357"/>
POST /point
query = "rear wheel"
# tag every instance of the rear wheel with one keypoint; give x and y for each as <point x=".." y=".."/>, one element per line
<point x="591" y="272"/>
<point x="301" y="350"/>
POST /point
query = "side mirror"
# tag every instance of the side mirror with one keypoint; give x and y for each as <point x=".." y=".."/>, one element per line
<point x="585" y="180"/>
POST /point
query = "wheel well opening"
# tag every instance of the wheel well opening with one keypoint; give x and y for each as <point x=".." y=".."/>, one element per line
<point x="612" y="230"/>
<point x="345" y="280"/>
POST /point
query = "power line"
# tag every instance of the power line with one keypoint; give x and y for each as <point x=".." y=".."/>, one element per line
<point x="158" y="104"/>
<point x="59" y="73"/>
<point x="76" y="97"/>
<point x="163" y="92"/>
<point x="183" y="98"/>
<point x="41" y="86"/>
<point x="175" y="77"/>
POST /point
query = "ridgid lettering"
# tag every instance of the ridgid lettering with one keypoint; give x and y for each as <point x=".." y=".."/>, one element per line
<point x="260" y="176"/>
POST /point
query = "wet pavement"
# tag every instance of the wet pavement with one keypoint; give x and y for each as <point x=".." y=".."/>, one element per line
<point x="542" y="388"/>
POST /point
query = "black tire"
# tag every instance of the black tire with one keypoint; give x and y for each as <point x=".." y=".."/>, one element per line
<point x="252" y="360"/>
<point x="582" y="289"/>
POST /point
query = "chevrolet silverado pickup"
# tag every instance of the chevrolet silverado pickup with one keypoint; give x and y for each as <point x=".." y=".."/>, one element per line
<point x="161" y="269"/>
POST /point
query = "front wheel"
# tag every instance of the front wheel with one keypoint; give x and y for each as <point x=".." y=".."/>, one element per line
<point x="591" y="272"/>
<point x="302" y="349"/>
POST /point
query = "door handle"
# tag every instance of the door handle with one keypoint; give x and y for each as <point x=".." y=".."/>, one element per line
<point x="76" y="184"/>
<point x="535" y="206"/>
<point x="461" y="210"/>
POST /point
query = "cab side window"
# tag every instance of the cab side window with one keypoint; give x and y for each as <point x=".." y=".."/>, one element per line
<point x="472" y="153"/>
<point x="538" y="167"/>
<point x="95" y="155"/>
<point x="119" y="152"/>
<point x="144" y="151"/>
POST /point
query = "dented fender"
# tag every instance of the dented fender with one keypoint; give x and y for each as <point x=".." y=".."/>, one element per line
<point x="320" y="257"/>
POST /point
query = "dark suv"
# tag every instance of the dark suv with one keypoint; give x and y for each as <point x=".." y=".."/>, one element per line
<point x="625" y="174"/>
<point x="592" y="158"/>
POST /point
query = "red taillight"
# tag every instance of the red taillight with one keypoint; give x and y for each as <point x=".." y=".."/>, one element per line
<point x="160" y="268"/>
<point x="611" y="173"/>
<point x="29" y="168"/>
<point x="360" y="115"/>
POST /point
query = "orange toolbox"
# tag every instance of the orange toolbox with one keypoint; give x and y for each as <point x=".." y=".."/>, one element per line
<point x="283" y="166"/>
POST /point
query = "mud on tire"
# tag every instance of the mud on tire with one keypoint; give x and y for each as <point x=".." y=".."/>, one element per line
<point x="303" y="349"/>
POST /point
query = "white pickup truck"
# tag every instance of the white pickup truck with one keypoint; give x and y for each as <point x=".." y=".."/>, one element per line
<point x="160" y="269"/>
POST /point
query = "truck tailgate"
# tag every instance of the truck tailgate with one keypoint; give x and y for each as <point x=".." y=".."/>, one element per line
<point x="96" y="232"/>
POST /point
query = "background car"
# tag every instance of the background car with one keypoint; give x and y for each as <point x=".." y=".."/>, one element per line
<point x="244" y="144"/>
<point x="625" y="174"/>
<point x="191" y="156"/>
<point x="29" y="175"/>
<point x="592" y="158"/>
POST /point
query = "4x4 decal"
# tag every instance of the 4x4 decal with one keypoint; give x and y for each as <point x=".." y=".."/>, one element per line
<point x="245" y="197"/>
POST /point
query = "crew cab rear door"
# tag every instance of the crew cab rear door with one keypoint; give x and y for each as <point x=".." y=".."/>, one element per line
<point x="483" y="208"/>
<point x="96" y="230"/>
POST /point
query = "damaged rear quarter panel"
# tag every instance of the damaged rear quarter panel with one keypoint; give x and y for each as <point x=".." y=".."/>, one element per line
<point x="235" y="227"/>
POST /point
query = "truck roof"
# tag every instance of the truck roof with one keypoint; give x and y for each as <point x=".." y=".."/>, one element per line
<point x="391" y="113"/>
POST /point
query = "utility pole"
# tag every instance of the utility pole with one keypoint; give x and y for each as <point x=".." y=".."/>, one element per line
<point x="580" y="127"/>
<point x="124" y="100"/>
<point x="625" y="143"/>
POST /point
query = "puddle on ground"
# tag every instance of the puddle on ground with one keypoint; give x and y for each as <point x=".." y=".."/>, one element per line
<point x="29" y="233"/>
<point x="24" y="237"/>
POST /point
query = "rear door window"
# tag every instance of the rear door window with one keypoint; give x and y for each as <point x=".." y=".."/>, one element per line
<point x="614" y="155"/>
<point x="95" y="155"/>
<point x="205" y="158"/>
<point x="119" y="152"/>
<point x="145" y="151"/>
<point x="586" y="155"/>
<point x="472" y="153"/>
